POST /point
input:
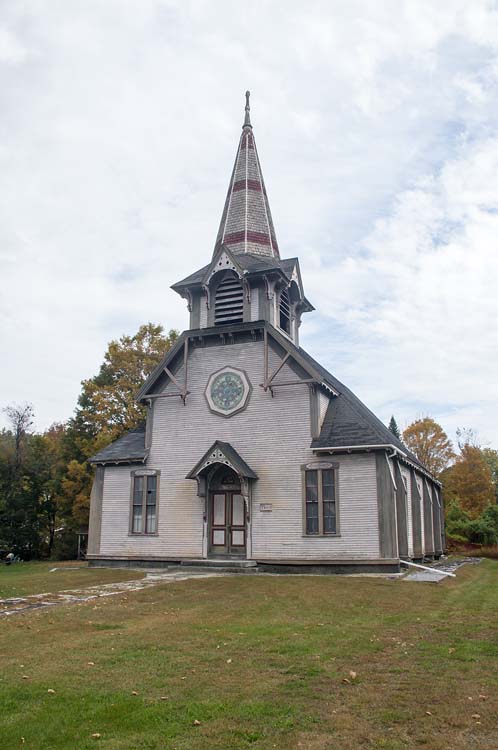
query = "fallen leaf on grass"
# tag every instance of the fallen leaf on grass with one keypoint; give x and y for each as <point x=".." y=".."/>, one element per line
<point x="345" y="679"/>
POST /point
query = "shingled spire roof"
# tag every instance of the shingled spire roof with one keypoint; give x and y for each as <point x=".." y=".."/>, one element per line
<point x="246" y="224"/>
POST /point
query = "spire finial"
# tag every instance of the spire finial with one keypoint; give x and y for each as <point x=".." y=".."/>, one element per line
<point x="247" y="118"/>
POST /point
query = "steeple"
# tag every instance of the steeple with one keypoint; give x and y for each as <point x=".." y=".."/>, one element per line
<point x="246" y="224"/>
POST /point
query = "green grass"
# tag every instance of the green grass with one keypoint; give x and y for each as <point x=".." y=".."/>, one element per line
<point x="21" y="579"/>
<point x="260" y="662"/>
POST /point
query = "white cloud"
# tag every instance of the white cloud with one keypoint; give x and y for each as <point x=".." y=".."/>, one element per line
<point x="376" y="126"/>
<point x="12" y="51"/>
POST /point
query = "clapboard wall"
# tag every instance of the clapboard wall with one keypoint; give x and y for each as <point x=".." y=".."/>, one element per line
<point x="273" y="436"/>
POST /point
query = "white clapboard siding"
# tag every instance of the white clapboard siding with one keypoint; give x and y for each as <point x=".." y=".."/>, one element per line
<point x="409" y="520"/>
<point x="273" y="436"/>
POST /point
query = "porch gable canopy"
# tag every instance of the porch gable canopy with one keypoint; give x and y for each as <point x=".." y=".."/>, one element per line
<point x="222" y="453"/>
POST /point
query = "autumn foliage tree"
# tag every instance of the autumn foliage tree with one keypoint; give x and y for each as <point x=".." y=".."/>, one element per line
<point x="469" y="482"/>
<point x="107" y="407"/>
<point x="429" y="442"/>
<point x="107" y="402"/>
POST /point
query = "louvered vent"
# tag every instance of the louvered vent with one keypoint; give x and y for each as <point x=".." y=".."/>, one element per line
<point x="229" y="302"/>
<point x="285" y="315"/>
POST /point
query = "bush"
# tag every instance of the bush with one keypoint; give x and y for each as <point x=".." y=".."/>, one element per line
<point x="480" y="531"/>
<point x="457" y="523"/>
<point x="461" y="528"/>
<point x="65" y="545"/>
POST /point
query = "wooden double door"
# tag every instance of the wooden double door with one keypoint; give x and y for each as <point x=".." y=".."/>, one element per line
<point x="227" y="524"/>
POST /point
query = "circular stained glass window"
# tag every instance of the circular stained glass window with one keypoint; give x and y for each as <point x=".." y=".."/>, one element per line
<point x="227" y="390"/>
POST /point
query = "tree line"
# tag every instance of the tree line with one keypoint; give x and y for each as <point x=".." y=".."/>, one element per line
<point x="45" y="478"/>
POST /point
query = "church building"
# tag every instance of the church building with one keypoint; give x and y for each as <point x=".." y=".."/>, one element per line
<point x="252" y="453"/>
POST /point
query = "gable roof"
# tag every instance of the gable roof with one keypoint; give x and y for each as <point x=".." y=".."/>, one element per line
<point x="248" y="262"/>
<point x="129" y="448"/>
<point x="219" y="451"/>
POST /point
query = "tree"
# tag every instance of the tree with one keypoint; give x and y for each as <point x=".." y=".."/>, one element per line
<point x="429" y="442"/>
<point x="18" y="504"/>
<point x="21" y="419"/>
<point x="469" y="481"/>
<point x="107" y="407"/>
<point x="491" y="457"/>
<point x="107" y="401"/>
<point x="46" y="467"/>
<point x="393" y="427"/>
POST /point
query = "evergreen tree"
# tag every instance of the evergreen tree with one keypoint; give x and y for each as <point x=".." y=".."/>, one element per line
<point x="393" y="426"/>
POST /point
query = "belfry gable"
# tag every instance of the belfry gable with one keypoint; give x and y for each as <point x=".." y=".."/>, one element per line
<point x="223" y="260"/>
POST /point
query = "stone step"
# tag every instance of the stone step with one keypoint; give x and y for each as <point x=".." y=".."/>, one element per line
<point x="218" y="569"/>
<point x="220" y="563"/>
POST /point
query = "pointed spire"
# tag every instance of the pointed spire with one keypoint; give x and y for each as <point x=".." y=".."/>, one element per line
<point x="246" y="224"/>
<point x="247" y="119"/>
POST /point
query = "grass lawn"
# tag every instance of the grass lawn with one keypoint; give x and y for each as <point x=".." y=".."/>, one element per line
<point x="259" y="662"/>
<point x="21" y="579"/>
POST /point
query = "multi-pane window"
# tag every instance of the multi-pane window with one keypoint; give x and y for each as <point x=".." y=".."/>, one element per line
<point x="144" y="504"/>
<point x="320" y="501"/>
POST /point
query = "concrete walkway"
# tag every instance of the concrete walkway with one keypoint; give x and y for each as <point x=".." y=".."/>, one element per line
<point x="439" y="568"/>
<point x="18" y="605"/>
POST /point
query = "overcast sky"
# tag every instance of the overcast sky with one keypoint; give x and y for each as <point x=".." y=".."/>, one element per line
<point x="376" y="124"/>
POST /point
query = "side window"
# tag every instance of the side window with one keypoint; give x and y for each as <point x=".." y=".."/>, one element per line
<point x="320" y="512"/>
<point x="144" y="504"/>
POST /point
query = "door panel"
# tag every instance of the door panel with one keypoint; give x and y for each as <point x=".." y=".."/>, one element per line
<point x="238" y="510"/>
<point x="238" y="538"/>
<point x="218" y="537"/>
<point x="219" y="510"/>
